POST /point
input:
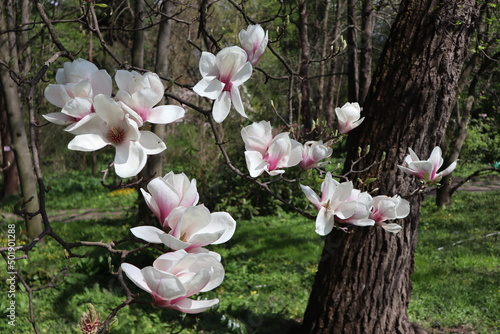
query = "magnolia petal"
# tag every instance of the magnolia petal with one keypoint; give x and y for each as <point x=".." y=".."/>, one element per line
<point x="173" y="243"/>
<point x="243" y="74"/>
<point x="152" y="205"/>
<point x="221" y="107"/>
<point x="151" y="143"/>
<point x="311" y="196"/>
<point x="208" y="67"/>
<point x="324" y="222"/>
<point x="221" y="221"/>
<point x="135" y="275"/>
<point x="59" y="118"/>
<point x="295" y="156"/>
<point x="209" y="88"/>
<point x="391" y="227"/>
<point x="165" y="114"/>
<point x="197" y="282"/>
<point x="130" y="159"/>
<point x="255" y="164"/>
<point x="87" y="143"/>
<point x="101" y="83"/>
<point x="148" y="233"/>
<point x="57" y="95"/>
<point x="450" y="169"/>
<point x="190" y="306"/>
<point x="237" y="102"/>
<point x="164" y="284"/>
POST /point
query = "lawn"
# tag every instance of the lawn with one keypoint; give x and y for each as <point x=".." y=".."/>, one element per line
<point x="270" y="265"/>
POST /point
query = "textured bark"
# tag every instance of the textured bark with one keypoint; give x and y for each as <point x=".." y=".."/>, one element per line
<point x="363" y="281"/>
<point x="352" y="49"/>
<point x="366" y="49"/>
<point x="138" y="38"/>
<point x="8" y="54"/>
<point x="305" y="57"/>
<point x="9" y="167"/>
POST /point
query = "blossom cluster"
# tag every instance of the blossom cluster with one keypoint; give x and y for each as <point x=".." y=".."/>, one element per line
<point x="84" y="94"/>
<point x="343" y="203"/>
<point x="186" y="228"/>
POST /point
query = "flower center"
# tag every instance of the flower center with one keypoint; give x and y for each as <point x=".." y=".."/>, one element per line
<point x="116" y="135"/>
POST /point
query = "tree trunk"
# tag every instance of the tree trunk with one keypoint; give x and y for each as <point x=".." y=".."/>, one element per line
<point x="363" y="281"/>
<point x="138" y="38"/>
<point x="9" y="167"/>
<point x="352" y="49"/>
<point x="305" y="57"/>
<point x="366" y="49"/>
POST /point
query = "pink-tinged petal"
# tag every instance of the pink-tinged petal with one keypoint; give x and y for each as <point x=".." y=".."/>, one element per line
<point x="164" y="196"/>
<point x="201" y="239"/>
<point x="87" y="143"/>
<point x="57" y="95"/>
<point x="164" y="284"/>
<point x="324" y="222"/>
<point x="135" y="275"/>
<point x="208" y="67"/>
<point x="174" y="243"/>
<point x="101" y="83"/>
<point x="148" y="233"/>
<point x="151" y="143"/>
<point x="167" y="261"/>
<point x="196" y="283"/>
<point x="155" y="83"/>
<point x="255" y="164"/>
<point x="221" y="107"/>
<point x="78" y="107"/>
<point x="243" y="74"/>
<point x="59" y="118"/>
<point x="423" y="168"/>
<point x="130" y="159"/>
<point x="295" y="156"/>
<point x="146" y="98"/>
<point x="165" y="114"/>
<point x="209" y="88"/>
<point x="450" y="169"/>
<point x="413" y="155"/>
<point x="311" y="196"/>
<point x="221" y="221"/>
<point x="408" y="171"/>
<point x="190" y="196"/>
<point x="82" y="126"/>
<point x="190" y="306"/>
<point x="152" y="205"/>
<point x="237" y="102"/>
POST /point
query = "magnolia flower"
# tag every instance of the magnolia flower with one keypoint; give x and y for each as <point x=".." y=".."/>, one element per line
<point x="112" y="126"/>
<point x="267" y="155"/>
<point x="254" y="42"/>
<point x="79" y="78"/>
<point x="141" y="93"/>
<point x="364" y="203"/>
<point x="190" y="228"/>
<point x="75" y="113"/>
<point x="314" y="151"/>
<point x="175" y="276"/>
<point x="257" y="137"/>
<point x="389" y="208"/>
<point x="222" y="74"/>
<point x="168" y="192"/>
<point x="349" y="117"/>
<point x="427" y="169"/>
<point x="334" y="201"/>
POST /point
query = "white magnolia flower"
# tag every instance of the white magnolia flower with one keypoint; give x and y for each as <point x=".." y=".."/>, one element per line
<point x="349" y="117"/>
<point x="427" y="170"/>
<point x="334" y="202"/>
<point x="169" y="192"/>
<point x="314" y="152"/>
<point x="254" y="41"/>
<point x="389" y="208"/>
<point x="112" y="126"/>
<point x="222" y="75"/>
<point x="141" y="92"/>
<point x="176" y="276"/>
<point x="190" y="228"/>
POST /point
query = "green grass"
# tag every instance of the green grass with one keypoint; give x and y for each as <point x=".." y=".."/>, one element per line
<point x="270" y="264"/>
<point x="457" y="276"/>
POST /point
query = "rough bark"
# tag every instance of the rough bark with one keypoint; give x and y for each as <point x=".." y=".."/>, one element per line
<point x="305" y="57"/>
<point x="363" y="281"/>
<point x="9" y="167"/>
<point x="352" y="49"/>
<point x="138" y="37"/>
<point x="20" y="146"/>
<point x="366" y="49"/>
